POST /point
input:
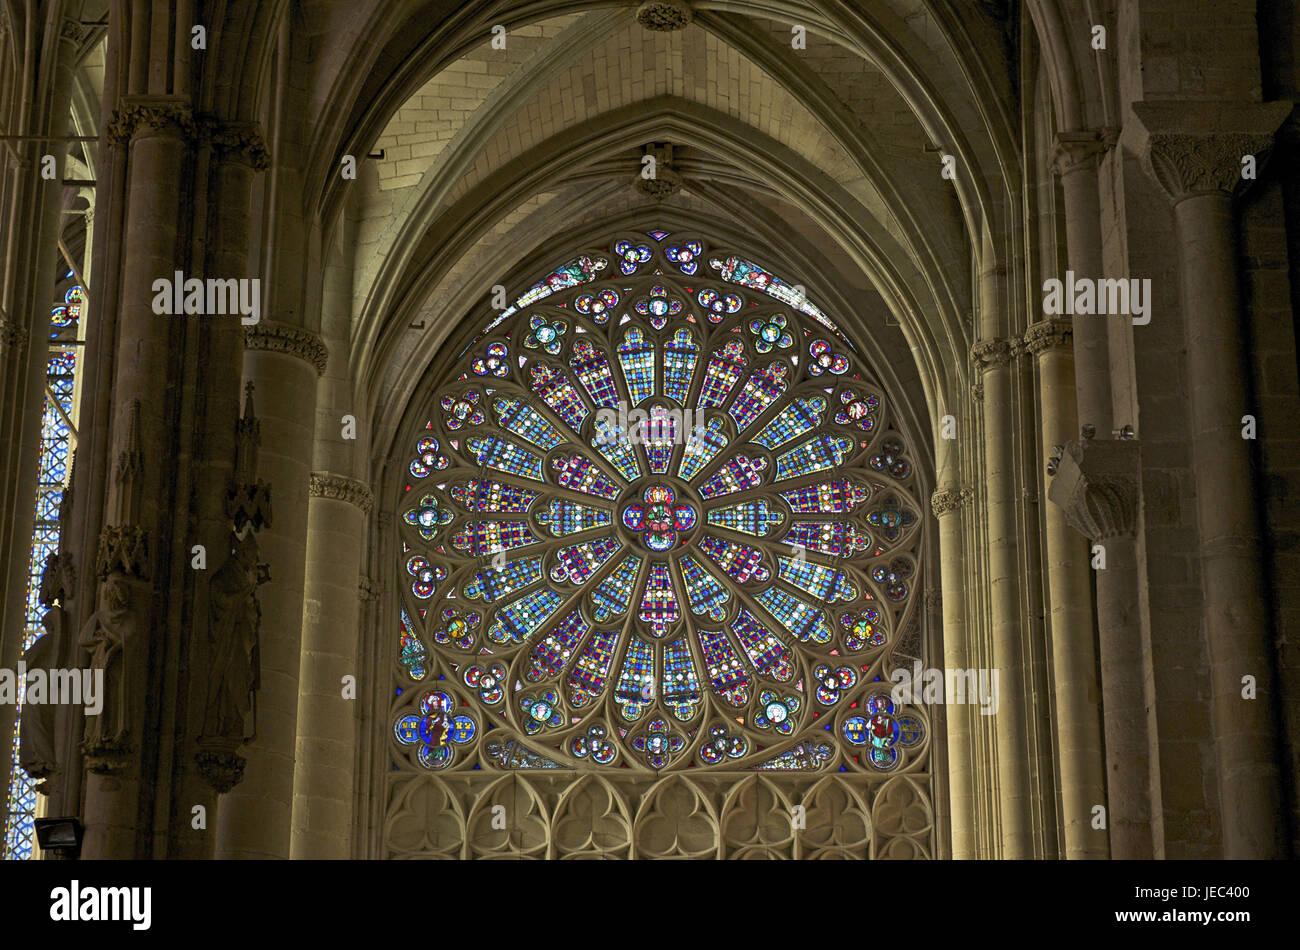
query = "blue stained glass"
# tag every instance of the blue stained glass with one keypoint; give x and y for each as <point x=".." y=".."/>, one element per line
<point x="557" y="392"/>
<point x="579" y="562"/>
<point x="725" y="367"/>
<point x="681" y="692"/>
<point x="817" y="454"/>
<point x="749" y="517"/>
<point x="702" y="447"/>
<point x="769" y="655"/>
<point x="659" y="604"/>
<point x="801" y="618"/>
<point x="836" y="538"/>
<point x="802" y="414"/>
<point x="839" y="495"/>
<point x="636" y="686"/>
<point x="637" y="357"/>
<point x="582" y="475"/>
<point x="680" y="356"/>
<point x="704" y="592"/>
<point x="481" y="538"/>
<point x="592" y="369"/>
<point x="740" y="473"/>
<point x="759" y="392"/>
<point x="662" y="437"/>
<point x="727" y="674"/>
<point x="491" y="584"/>
<point x="588" y="677"/>
<point x="551" y="654"/>
<point x="487" y="495"/>
<point x="611" y="441"/>
<point x="519" y="619"/>
<point x="563" y="517"/>
<point x="527" y="423"/>
<point x="824" y="583"/>
<point x="505" y="456"/>
<point x="55" y="445"/>
<point x="614" y="594"/>
<point x="741" y="562"/>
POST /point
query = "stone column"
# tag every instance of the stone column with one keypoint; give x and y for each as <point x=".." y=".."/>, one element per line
<point x="323" y="773"/>
<point x="993" y="358"/>
<point x="948" y="504"/>
<point x="1195" y="151"/>
<point x="157" y="130"/>
<point x="1076" y="158"/>
<point x="1073" y="656"/>
<point x="1096" y="488"/>
<point x="283" y="362"/>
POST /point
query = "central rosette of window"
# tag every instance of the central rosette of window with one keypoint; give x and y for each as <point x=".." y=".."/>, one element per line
<point x="658" y="517"/>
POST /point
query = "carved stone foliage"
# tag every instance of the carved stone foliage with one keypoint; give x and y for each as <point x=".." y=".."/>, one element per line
<point x="290" y="340"/>
<point x="990" y="353"/>
<point x="947" y="500"/>
<point x="664" y="16"/>
<point x="548" y="815"/>
<point x="239" y="141"/>
<point x="1097" y="485"/>
<point x="347" y="490"/>
<point x="1050" y="334"/>
<point x="150" y="115"/>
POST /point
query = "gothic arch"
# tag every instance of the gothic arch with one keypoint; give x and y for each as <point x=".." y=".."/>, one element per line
<point x="529" y="664"/>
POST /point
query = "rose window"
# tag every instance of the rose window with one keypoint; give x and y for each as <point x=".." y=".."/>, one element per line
<point x="658" y="519"/>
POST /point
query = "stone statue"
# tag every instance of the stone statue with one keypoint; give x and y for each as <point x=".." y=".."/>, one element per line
<point x="234" y="619"/>
<point x="119" y="653"/>
<point x="36" y="740"/>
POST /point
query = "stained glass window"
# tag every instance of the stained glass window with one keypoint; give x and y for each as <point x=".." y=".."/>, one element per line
<point x="58" y="439"/>
<point x="679" y="532"/>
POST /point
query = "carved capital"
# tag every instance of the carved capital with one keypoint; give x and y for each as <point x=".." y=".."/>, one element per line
<point x="990" y="353"/>
<point x="347" y="490"/>
<point x="1097" y="486"/>
<point x="1075" y="150"/>
<point x="664" y="16"/>
<point x="290" y="340"/>
<point x="947" y="500"/>
<point x="1045" y="335"/>
<point x="237" y="141"/>
<point x="1196" y="148"/>
<point x="141" y="116"/>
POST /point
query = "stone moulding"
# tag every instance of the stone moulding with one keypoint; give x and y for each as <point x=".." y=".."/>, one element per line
<point x="339" y="488"/>
<point x="1096" y="485"/>
<point x="289" y="340"/>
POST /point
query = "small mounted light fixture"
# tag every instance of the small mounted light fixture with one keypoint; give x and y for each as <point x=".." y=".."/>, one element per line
<point x="60" y="836"/>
